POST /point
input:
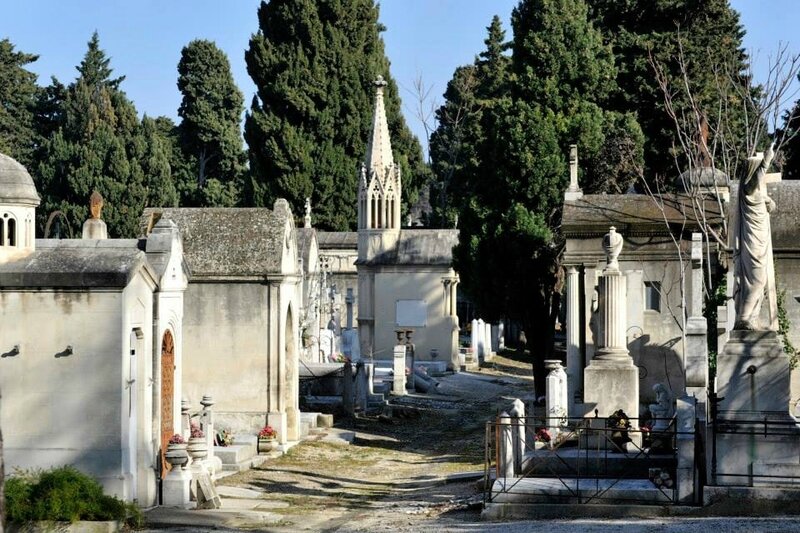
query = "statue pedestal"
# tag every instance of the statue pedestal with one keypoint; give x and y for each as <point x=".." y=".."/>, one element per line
<point x="612" y="385"/>
<point x="756" y="436"/>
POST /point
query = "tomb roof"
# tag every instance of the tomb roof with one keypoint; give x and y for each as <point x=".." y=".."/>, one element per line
<point x="227" y="241"/>
<point x="305" y="240"/>
<point x="77" y="263"/>
<point x="432" y="247"/>
<point x="16" y="185"/>
<point x="634" y="214"/>
<point x="337" y="239"/>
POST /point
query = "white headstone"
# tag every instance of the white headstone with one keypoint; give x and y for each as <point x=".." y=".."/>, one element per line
<point x="399" y="370"/>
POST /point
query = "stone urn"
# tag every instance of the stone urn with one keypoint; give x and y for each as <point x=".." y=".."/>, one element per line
<point x="197" y="448"/>
<point x="176" y="455"/>
<point x="266" y="444"/>
<point x="612" y="246"/>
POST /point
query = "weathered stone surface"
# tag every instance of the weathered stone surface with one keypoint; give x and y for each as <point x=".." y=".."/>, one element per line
<point x="227" y="241"/>
<point x="76" y="263"/>
<point x="419" y="247"/>
<point x="16" y="185"/>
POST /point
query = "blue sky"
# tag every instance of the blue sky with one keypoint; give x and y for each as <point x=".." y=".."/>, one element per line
<point x="427" y="38"/>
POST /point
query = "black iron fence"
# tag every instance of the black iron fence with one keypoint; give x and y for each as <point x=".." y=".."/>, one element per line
<point x="583" y="460"/>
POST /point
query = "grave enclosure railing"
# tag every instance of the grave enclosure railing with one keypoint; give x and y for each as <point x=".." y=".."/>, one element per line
<point x="587" y="460"/>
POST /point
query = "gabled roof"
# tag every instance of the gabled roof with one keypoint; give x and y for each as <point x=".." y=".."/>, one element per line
<point x="227" y="241"/>
<point x="635" y="214"/>
<point x="337" y="239"/>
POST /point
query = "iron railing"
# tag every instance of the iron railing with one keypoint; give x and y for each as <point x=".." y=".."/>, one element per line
<point x="587" y="460"/>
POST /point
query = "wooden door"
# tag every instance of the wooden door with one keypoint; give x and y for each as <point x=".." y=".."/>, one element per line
<point x="167" y="396"/>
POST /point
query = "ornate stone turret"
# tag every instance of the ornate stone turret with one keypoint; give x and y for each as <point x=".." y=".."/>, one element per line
<point x="379" y="187"/>
<point x="94" y="227"/>
<point x="18" y="202"/>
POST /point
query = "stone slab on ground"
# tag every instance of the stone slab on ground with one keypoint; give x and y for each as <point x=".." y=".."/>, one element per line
<point x="164" y="517"/>
<point x="239" y="492"/>
<point x="557" y="490"/>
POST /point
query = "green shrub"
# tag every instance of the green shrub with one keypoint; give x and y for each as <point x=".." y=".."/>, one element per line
<point x="64" y="495"/>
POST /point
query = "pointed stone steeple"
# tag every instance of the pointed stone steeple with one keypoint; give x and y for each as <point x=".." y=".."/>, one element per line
<point x="379" y="146"/>
<point x="379" y="190"/>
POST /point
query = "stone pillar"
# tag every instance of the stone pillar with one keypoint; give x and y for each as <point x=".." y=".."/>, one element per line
<point x="399" y="367"/>
<point x="349" y="299"/>
<point x="556" y="397"/>
<point x="696" y="358"/>
<point x="212" y="462"/>
<point x="482" y="354"/>
<point x="474" y="340"/>
<point x="574" y="191"/>
<point x="175" y="488"/>
<point x="185" y="422"/>
<point x="505" y="448"/>
<point x="487" y="340"/>
<point x="611" y="381"/>
<point x="574" y="359"/>
<point x="517" y="415"/>
<point x="685" y="437"/>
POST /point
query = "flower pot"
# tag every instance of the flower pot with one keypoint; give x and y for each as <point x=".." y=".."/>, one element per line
<point x="197" y="448"/>
<point x="176" y="455"/>
<point x="266" y="444"/>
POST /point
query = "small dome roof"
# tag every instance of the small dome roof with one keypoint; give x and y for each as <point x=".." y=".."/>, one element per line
<point x="16" y="185"/>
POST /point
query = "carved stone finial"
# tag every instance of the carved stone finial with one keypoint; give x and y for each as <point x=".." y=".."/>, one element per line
<point x="379" y="82"/>
<point x="574" y="191"/>
<point x="612" y="245"/>
<point x="96" y="205"/>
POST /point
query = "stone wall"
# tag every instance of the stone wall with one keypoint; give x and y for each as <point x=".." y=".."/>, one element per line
<point x="73" y="408"/>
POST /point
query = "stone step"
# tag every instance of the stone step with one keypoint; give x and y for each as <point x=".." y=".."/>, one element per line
<point x="324" y="420"/>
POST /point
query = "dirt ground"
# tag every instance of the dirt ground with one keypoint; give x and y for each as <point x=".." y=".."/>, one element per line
<point x="401" y="471"/>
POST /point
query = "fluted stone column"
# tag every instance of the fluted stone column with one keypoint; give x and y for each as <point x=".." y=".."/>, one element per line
<point x="611" y="381"/>
<point x="574" y="359"/>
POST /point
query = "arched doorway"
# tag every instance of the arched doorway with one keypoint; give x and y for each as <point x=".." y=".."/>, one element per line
<point x="167" y="396"/>
<point x="290" y="384"/>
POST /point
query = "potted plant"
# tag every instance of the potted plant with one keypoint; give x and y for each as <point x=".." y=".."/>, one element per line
<point x="224" y="438"/>
<point x="266" y="439"/>
<point x="197" y="447"/>
<point x="176" y="451"/>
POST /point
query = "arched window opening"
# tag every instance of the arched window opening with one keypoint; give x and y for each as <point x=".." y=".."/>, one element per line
<point x="12" y="232"/>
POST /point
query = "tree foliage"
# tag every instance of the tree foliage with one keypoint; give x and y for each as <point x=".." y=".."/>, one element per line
<point x="508" y="157"/>
<point x="313" y="64"/>
<point x="98" y="143"/>
<point x="702" y="36"/>
<point x="209" y="133"/>
<point x="18" y="97"/>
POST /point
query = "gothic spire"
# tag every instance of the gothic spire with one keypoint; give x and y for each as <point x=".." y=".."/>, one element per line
<point x="379" y="147"/>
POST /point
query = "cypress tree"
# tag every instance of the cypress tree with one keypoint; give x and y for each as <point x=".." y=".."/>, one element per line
<point x="512" y="172"/>
<point x="313" y="64"/>
<point x="97" y="144"/>
<point x="18" y="97"/>
<point x="710" y="36"/>
<point x="209" y="133"/>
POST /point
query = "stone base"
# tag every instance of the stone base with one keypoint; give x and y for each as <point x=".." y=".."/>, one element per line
<point x="753" y="373"/>
<point x="758" y="441"/>
<point x="175" y="488"/>
<point x="612" y="385"/>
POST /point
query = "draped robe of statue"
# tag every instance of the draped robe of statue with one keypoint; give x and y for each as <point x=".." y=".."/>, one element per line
<point x="755" y="274"/>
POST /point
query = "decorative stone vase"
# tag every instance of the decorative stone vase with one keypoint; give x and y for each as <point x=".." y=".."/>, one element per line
<point x="266" y="444"/>
<point x="612" y="246"/>
<point x="197" y="448"/>
<point x="176" y="455"/>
